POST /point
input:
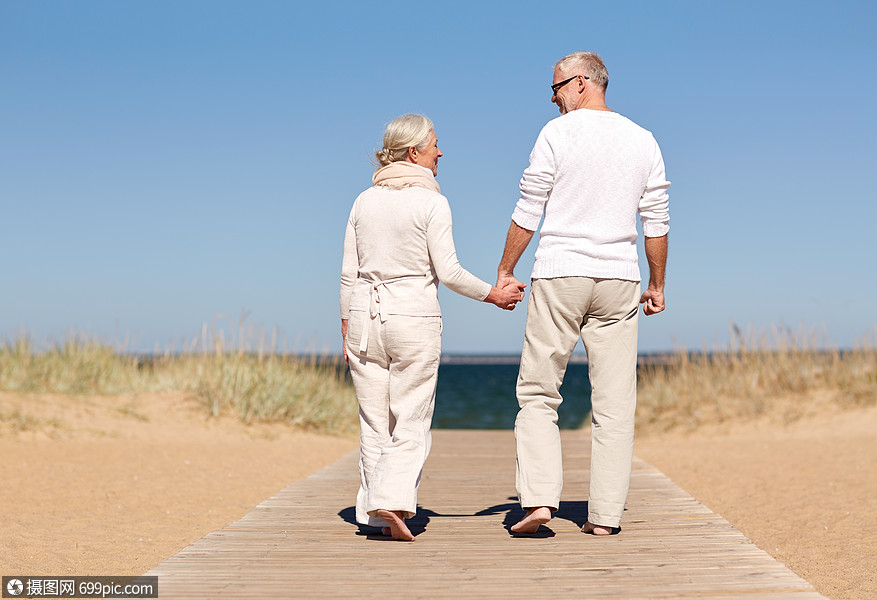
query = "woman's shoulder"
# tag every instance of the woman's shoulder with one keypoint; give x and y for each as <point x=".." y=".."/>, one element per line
<point x="421" y="195"/>
<point x="381" y="198"/>
<point x="435" y="201"/>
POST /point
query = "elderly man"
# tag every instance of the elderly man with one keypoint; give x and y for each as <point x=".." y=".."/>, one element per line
<point x="591" y="172"/>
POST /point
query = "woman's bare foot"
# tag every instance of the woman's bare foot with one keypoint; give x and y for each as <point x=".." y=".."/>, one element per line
<point x="596" y="529"/>
<point x="535" y="517"/>
<point x="398" y="529"/>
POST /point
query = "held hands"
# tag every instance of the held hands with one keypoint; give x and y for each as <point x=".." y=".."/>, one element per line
<point x="652" y="301"/>
<point x="507" y="292"/>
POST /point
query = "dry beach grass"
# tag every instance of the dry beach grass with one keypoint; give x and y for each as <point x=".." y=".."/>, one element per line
<point x="783" y="375"/>
<point x="304" y="392"/>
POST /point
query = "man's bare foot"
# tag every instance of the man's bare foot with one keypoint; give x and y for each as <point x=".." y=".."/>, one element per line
<point x="596" y="529"/>
<point x="535" y="517"/>
<point x="398" y="529"/>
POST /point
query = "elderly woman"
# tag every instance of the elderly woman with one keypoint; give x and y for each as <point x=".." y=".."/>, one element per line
<point x="397" y="248"/>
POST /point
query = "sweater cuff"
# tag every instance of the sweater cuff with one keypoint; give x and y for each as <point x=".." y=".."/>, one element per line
<point x="659" y="229"/>
<point x="526" y="220"/>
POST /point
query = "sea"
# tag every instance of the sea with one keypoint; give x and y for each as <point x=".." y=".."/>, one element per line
<point x="479" y="393"/>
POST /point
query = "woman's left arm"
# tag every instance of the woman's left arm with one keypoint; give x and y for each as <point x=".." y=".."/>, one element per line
<point x="443" y="254"/>
<point x="349" y="270"/>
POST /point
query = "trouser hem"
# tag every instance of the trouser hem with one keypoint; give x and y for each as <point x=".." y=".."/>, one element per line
<point x="552" y="503"/>
<point x="405" y="513"/>
<point x="603" y="520"/>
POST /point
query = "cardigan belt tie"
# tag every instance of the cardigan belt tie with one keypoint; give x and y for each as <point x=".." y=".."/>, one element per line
<point x="374" y="306"/>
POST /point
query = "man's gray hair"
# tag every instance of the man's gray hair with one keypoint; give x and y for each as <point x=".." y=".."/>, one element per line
<point x="585" y="63"/>
<point x="402" y="133"/>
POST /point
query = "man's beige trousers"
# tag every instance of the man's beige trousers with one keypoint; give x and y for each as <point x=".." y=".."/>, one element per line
<point x="395" y="383"/>
<point x="604" y="313"/>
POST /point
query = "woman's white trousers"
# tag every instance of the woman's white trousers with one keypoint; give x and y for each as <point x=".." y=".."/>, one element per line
<point x="395" y="381"/>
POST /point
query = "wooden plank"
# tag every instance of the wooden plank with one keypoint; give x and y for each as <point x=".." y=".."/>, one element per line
<point x="302" y="542"/>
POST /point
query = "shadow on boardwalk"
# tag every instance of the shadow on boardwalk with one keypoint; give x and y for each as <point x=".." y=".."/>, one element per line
<point x="303" y="542"/>
<point x="576" y="512"/>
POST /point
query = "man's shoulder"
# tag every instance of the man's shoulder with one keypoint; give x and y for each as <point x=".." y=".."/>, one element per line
<point x="576" y="118"/>
<point x="633" y="125"/>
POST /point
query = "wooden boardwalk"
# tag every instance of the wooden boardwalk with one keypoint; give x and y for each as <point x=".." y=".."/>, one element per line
<point x="303" y="543"/>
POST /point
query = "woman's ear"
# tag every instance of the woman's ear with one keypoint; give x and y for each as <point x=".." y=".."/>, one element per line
<point x="412" y="153"/>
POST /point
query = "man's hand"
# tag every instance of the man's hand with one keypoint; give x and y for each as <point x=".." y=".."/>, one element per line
<point x="507" y="279"/>
<point x="652" y="301"/>
<point x="656" y="254"/>
<point x="507" y="295"/>
<point x="507" y="282"/>
<point x="515" y="244"/>
<point x="516" y="289"/>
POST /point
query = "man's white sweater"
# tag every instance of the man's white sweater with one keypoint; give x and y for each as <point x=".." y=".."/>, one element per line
<point x="591" y="172"/>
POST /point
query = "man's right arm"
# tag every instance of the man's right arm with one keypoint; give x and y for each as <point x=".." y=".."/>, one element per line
<point x="516" y="242"/>
<point x="536" y="185"/>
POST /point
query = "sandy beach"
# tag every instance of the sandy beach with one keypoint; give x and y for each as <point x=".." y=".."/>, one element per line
<point x="115" y="485"/>
<point x="802" y="491"/>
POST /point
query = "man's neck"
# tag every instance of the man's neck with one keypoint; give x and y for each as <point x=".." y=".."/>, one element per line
<point x="593" y="102"/>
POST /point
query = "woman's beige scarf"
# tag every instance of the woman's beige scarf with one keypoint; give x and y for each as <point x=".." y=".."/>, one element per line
<point x="401" y="174"/>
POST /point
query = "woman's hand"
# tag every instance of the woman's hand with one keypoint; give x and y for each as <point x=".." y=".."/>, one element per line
<point x="344" y="340"/>
<point x="507" y="296"/>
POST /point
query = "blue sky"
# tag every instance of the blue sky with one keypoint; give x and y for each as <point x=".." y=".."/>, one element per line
<point x="169" y="164"/>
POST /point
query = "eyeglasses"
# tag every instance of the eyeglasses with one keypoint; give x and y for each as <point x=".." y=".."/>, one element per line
<point x="560" y="84"/>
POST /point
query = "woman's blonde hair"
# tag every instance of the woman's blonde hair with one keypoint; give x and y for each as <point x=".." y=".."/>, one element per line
<point x="402" y="133"/>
